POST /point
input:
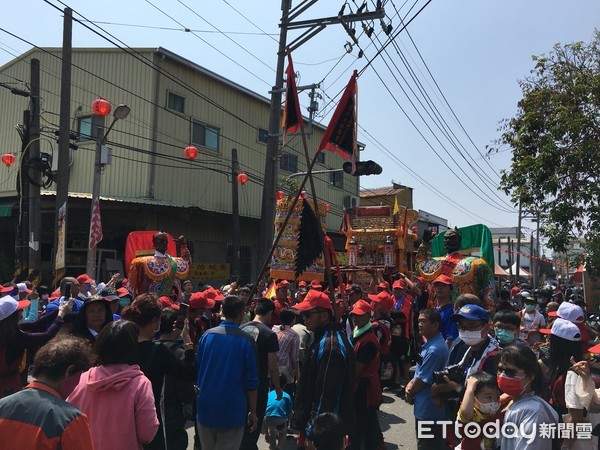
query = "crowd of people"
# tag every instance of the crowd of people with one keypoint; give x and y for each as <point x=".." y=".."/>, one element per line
<point x="95" y="366"/>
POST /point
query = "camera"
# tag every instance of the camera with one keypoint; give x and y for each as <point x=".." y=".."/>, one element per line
<point x="454" y="373"/>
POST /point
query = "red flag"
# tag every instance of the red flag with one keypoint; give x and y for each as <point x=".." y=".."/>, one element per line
<point x="96" y="225"/>
<point x="340" y="135"/>
<point x="292" y="117"/>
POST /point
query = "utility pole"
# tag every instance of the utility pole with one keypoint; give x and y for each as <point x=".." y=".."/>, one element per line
<point x="90" y="265"/>
<point x="62" y="180"/>
<point x="34" y="172"/>
<point x="267" y="213"/>
<point x="510" y="271"/>
<point x="23" y="193"/>
<point x="537" y="273"/>
<point x="519" y="243"/>
<point x="235" y="214"/>
<point x="314" y="26"/>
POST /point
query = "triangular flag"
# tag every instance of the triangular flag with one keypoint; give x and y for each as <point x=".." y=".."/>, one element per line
<point x="341" y="133"/>
<point x="396" y="207"/>
<point x="292" y="117"/>
<point x="310" y="244"/>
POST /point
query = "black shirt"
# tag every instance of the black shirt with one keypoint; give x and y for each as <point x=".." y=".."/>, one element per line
<point x="266" y="342"/>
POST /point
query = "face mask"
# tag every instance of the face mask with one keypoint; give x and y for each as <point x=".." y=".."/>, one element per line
<point x="489" y="408"/>
<point x="512" y="386"/>
<point x="529" y="308"/>
<point x="470" y="337"/>
<point x="505" y="336"/>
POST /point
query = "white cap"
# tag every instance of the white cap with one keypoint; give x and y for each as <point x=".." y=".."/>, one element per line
<point x="571" y="312"/>
<point x="566" y="330"/>
<point x="8" y="305"/>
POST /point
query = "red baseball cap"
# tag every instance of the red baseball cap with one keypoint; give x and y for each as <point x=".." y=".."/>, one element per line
<point x="384" y="298"/>
<point x="360" y="308"/>
<point x="123" y="292"/>
<point x="84" y="279"/>
<point x="384" y="285"/>
<point x="399" y="284"/>
<point x="200" y="300"/>
<point x="444" y="279"/>
<point x="314" y="284"/>
<point x="282" y="284"/>
<point x="8" y="288"/>
<point x="302" y="284"/>
<point x="165" y="302"/>
<point x="315" y="300"/>
<point x="214" y="294"/>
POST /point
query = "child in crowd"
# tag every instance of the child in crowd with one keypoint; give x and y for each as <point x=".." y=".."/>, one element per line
<point x="327" y="432"/>
<point x="480" y="404"/>
<point x="277" y="414"/>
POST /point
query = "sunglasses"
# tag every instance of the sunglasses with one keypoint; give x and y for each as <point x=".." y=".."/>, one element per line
<point x="511" y="373"/>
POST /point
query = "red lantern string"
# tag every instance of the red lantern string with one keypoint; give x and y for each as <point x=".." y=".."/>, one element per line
<point x="280" y="195"/>
<point x="8" y="159"/>
<point x="101" y="107"/>
<point x="190" y="152"/>
<point x="327" y="207"/>
<point x="242" y="178"/>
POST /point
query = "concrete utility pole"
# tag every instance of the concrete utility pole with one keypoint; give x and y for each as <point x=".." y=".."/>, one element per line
<point x="314" y="26"/>
<point x="235" y="215"/>
<point x="62" y="179"/>
<point x="267" y="213"/>
<point x="34" y="173"/>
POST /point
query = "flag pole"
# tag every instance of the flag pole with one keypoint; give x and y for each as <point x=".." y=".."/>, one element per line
<point x="326" y="259"/>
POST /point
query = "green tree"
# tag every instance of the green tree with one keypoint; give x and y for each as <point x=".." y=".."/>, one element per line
<point x="555" y="143"/>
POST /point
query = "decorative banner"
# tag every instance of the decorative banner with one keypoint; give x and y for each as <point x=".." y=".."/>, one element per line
<point x="60" y="251"/>
<point x="96" y="234"/>
<point x="283" y="263"/>
<point x="208" y="272"/>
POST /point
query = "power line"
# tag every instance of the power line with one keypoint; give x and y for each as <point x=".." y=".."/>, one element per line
<point x="249" y="21"/>
<point x="185" y="30"/>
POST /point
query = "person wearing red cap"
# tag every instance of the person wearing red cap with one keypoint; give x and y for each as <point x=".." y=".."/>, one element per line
<point x="327" y="380"/>
<point x="367" y="389"/>
<point x="381" y="324"/>
<point x="201" y="316"/>
<point x="282" y="299"/>
<point x="442" y="289"/>
<point x="162" y="273"/>
<point x="402" y="331"/>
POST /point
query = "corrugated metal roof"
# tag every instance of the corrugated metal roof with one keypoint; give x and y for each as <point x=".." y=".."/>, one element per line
<point x="146" y="201"/>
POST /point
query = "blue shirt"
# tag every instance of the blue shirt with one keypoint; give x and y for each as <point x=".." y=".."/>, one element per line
<point x="448" y="329"/>
<point x="434" y="354"/>
<point x="226" y="371"/>
<point x="278" y="408"/>
<point x="54" y="305"/>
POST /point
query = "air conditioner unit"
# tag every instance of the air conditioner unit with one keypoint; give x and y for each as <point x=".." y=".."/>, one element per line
<point x="351" y="201"/>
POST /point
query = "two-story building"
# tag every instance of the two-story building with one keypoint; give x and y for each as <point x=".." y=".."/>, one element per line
<point x="149" y="184"/>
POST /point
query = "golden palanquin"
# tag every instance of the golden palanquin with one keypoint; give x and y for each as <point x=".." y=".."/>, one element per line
<point x="283" y="263"/>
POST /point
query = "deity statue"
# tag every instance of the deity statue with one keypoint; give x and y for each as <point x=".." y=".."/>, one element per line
<point x="162" y="273"/>
<point x="470" y="274"/>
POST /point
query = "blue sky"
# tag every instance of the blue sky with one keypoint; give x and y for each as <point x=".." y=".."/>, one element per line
<point x="477" y="50"/>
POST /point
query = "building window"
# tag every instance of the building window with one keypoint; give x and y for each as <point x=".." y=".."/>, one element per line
<point x="289" y="163"/>
<point x="263" y="135"/>
<point x="205" y="136"/>
<point x="87" y="127"/>
<point x="321" y="157"/>
<point x="175" y="102"/>
<point x="336" y="179"/>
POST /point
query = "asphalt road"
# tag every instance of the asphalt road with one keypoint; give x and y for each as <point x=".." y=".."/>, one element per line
<point x="395" y="417"/>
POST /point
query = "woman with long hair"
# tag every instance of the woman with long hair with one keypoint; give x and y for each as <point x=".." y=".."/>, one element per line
<point x="157" y="361"/>
<point x="116" y="396"/>
<point x="520" y="377"/>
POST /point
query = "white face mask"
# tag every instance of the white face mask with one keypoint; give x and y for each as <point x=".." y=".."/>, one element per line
<point x="470" y="337"/>
<point x="489" y="408"/>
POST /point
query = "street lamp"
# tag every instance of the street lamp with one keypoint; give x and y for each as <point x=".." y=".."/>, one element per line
<point x="100" y="107"/>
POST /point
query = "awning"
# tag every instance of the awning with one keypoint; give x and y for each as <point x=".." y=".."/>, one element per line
<point x="6" y="208"/>
<point x="522" y="272"/>
<point x="499" y="271"/>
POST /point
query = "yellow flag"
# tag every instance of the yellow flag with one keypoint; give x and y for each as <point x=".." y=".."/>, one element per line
<point x="396" y="207"/>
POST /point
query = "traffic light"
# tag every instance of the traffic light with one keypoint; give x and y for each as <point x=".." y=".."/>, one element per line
<point x="363" y="168"/>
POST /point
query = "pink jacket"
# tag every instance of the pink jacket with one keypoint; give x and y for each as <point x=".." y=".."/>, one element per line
<point x="119" y="403"/>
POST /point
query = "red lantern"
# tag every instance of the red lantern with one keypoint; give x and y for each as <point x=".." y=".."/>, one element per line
<point x="327" y="207"/>
<point x="303" y="195"/>
<point x="414" y="229"/>
<point x="8" y="159"/>
<point x="190" y="152"/>
<point x="280" y="195"/>
<point x="242" y="178"/>
<point x="101" y="107"/>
